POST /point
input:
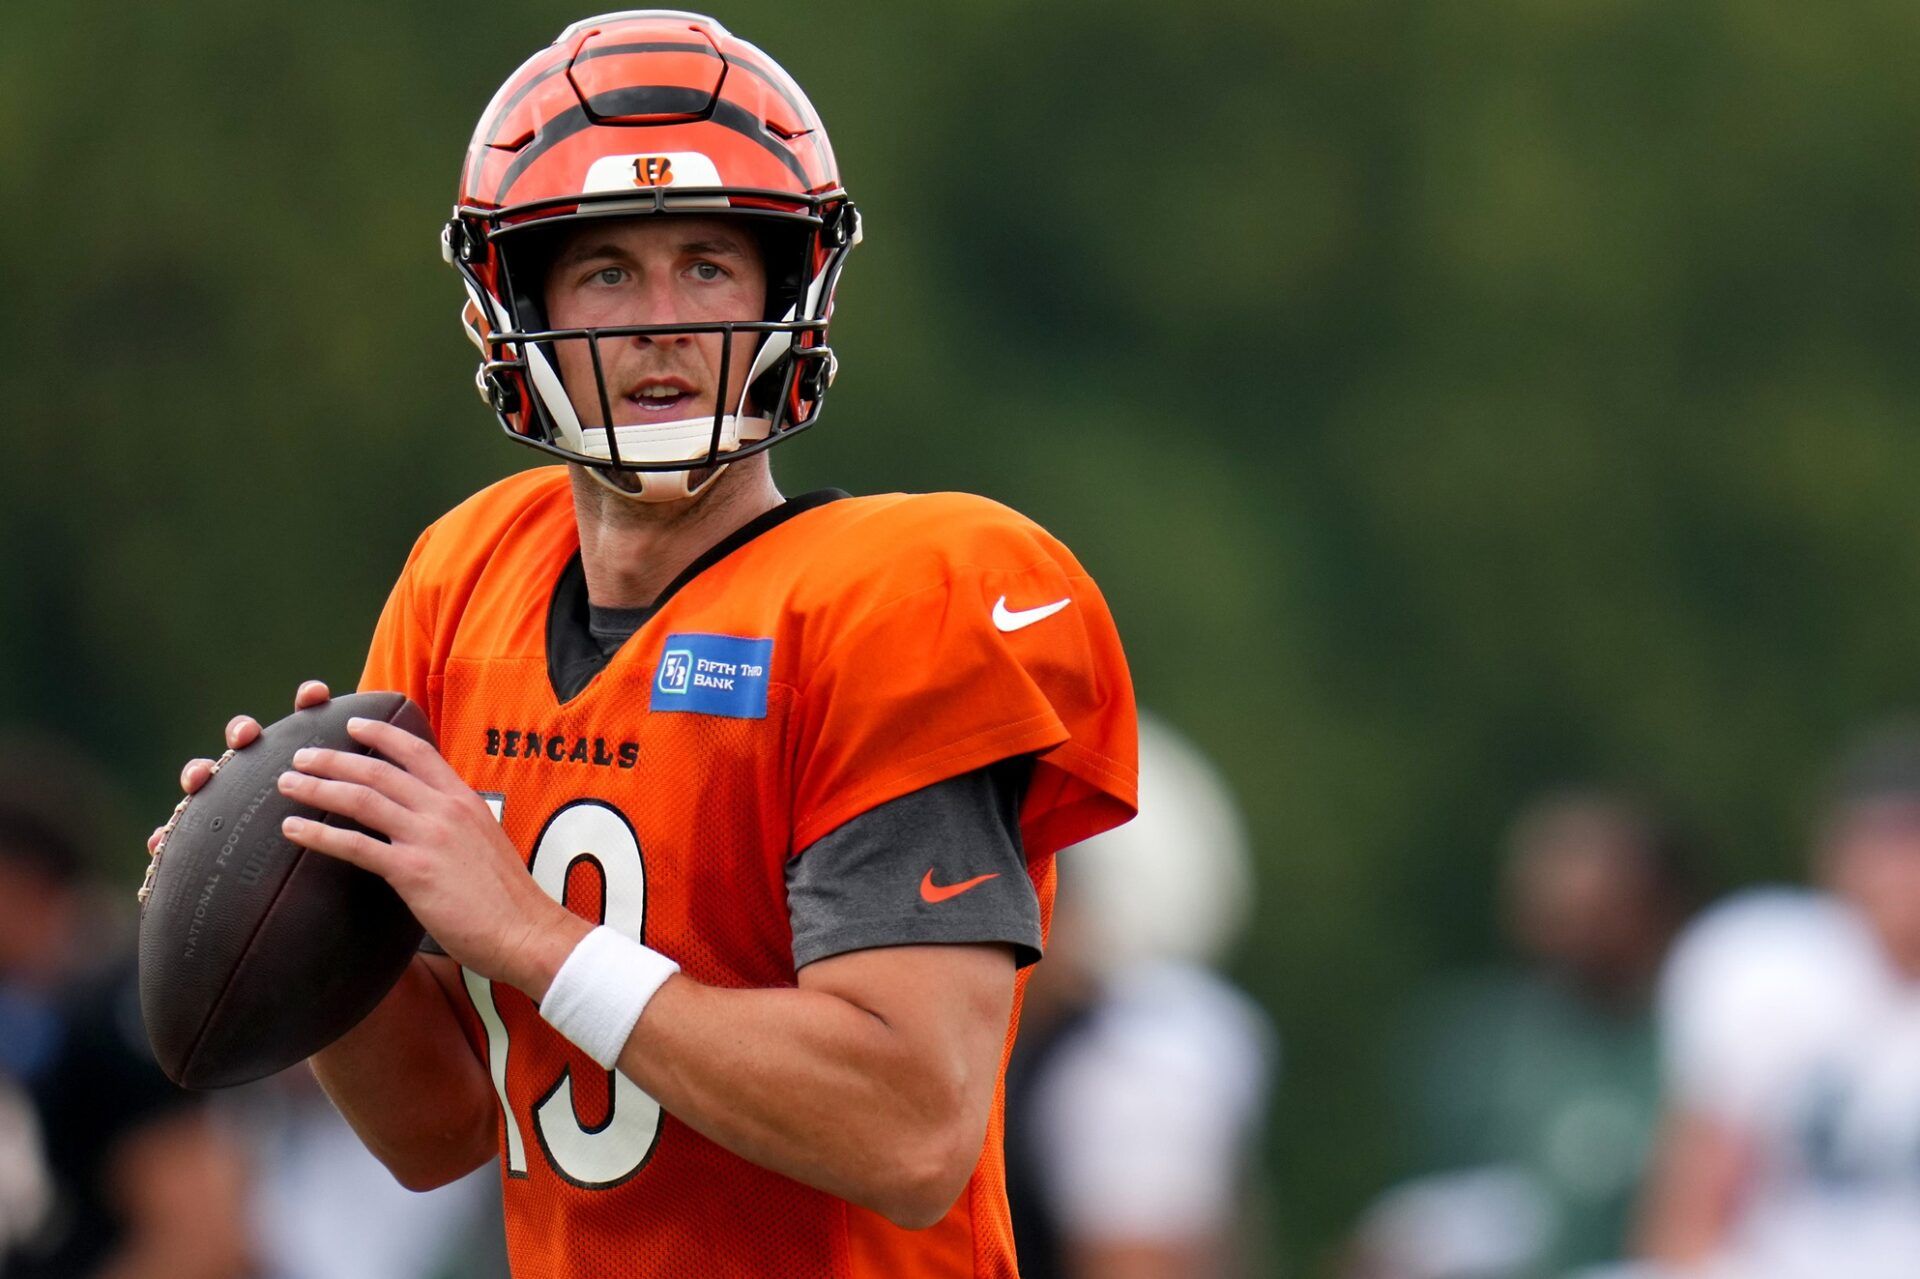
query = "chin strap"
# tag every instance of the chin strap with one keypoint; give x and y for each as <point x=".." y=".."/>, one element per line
<point x="655" y="486"/>
<point x="670" y="442"/>
<point x="683" y="440"/>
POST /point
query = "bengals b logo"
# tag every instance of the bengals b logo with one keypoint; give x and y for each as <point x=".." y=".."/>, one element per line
<point x="652" y="171"/>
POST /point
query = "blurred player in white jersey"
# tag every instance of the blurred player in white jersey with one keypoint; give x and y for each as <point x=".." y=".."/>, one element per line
<point x="1791" y="1022"/>
<point x="325" y="1208"/>
<point x="1140" y="1080"/>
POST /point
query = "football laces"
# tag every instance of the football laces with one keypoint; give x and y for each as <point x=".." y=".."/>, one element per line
<point x="179" y="810"/>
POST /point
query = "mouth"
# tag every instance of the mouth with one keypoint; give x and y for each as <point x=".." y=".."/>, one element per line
<point x="662" y="397"/>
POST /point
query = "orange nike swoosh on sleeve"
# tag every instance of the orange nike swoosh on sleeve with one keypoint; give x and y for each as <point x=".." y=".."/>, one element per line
<point x="932" y="892"/>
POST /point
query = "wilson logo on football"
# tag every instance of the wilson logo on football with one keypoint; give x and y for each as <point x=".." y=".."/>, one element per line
<point x="652" y="171"/>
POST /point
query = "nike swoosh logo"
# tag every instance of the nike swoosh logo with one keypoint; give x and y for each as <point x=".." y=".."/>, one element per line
<point x="932" y="892"/>
<point x="1010" y="620"/>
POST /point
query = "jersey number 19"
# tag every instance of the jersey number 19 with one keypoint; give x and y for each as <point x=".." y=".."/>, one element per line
<point x="595" y="832"/>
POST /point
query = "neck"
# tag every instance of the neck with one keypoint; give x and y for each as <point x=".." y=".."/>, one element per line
<point x="631" y="551"/>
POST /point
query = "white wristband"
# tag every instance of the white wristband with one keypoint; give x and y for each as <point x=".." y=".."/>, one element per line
<point x="602" y="989"/>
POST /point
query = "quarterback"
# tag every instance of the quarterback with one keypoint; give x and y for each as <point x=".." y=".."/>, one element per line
<point x="739" y="835"/>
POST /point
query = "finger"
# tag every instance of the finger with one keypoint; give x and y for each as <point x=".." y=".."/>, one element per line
<point x="414" y="754"/>
<point x="311" y="693"/>
<point x="348" y="799"/>
<point x="195" y="774"/>
<point x="241" y="729"/>
<point x="398" y="785"/>
<point x="153" y="840"/>
<point x="363" y="851"/>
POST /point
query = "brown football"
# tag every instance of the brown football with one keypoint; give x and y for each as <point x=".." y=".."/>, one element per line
<point x="256" y="953"/>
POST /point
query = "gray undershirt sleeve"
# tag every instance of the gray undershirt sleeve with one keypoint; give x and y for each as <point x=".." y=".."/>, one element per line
<point x="942" y="864"/>
<point x="893" y="876"/>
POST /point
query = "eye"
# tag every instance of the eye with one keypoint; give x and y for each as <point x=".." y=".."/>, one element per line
<point x="610" y="275"/>
<point x="708" y="272"/>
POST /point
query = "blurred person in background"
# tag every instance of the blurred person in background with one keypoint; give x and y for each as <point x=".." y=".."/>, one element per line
<point x="1140" y="1080"/>
<point x="107" y="1171"/>
<point x="325" y="1208"/>
<point x="1791" y="1028"/>
<point x="1533" y="1091"/>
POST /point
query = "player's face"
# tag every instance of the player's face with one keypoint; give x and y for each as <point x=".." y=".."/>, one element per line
<point x="655" y="270"/>
<point x="1581" y="898"/>
<point x="35" y="919"/>
<point x="1873" y="860"/>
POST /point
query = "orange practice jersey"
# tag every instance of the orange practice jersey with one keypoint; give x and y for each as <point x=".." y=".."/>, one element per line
<point x="857" y="651"/>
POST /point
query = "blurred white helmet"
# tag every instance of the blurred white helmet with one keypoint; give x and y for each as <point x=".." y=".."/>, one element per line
<point x="1176" y="882"/>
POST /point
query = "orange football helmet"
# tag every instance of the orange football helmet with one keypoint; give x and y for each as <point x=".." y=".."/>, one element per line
<point x="642" y="114"/>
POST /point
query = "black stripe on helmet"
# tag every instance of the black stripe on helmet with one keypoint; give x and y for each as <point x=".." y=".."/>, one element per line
<point x="648" y="99"/>
<point x="650" y="46"/>
<point x="519" y="96"/>
<point x="734" y="60"/>
<point x="657" y="46"/>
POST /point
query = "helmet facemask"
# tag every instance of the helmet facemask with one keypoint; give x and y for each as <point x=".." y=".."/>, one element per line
<point x="789" y="369"/>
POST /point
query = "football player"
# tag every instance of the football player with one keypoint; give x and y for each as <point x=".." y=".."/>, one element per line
<point x="106" y="1170"/>
<point x="1142" y="1076"/>
<point x="1791" y="1021"/>
<point x="739" y="835"/>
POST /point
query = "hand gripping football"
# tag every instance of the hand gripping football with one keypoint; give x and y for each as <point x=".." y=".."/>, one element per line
<point x="255" y="952"/>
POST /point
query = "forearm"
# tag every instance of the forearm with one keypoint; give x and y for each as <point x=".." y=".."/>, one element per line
<point x="1693" y="1193"/>
<point x="881" y="1101"/>
<point x="812" y="1086"/>
<point x="410" y="1086"/>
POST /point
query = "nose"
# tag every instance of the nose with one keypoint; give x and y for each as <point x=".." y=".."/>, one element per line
<point x="659" y="305"/>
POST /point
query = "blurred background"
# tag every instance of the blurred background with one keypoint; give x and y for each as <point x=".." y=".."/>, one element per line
<point x="1456" y="403"/>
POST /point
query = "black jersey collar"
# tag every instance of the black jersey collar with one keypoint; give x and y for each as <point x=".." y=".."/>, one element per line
<point x="574" y="656"/>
